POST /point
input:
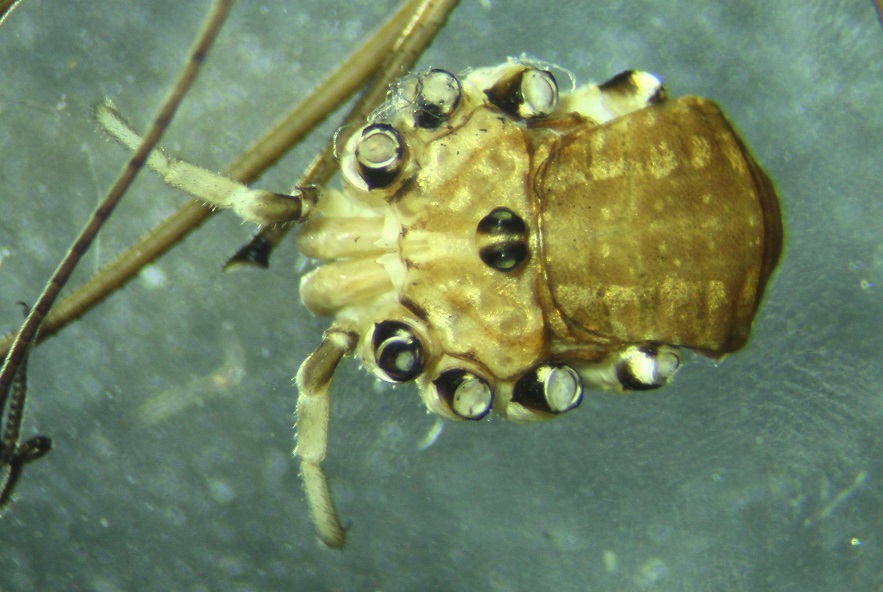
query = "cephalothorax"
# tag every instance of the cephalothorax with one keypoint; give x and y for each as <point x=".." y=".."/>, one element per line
<point x="506" y="246"/>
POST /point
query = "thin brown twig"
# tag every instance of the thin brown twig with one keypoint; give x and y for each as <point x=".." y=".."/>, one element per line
<point x="22" y="344"/>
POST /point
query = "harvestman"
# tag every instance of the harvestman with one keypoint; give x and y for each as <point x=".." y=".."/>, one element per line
<point x="507" y="245"/>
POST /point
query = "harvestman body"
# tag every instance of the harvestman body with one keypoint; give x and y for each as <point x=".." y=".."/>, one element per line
<point x="506" y="246"/>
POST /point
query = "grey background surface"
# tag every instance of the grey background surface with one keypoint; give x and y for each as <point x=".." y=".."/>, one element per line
<point x="763" y="473"/>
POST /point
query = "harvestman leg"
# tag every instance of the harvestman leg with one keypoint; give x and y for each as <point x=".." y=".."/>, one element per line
<point x="252" y="205"/>
<point x="313" y="406"/>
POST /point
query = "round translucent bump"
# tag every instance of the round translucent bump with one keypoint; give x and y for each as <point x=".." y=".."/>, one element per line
<point x="436" y="96"/>
<point x="562" y="386"/>
<point x="667" y="363"/>
<point x="539" y="92"/>
<point x="397" y="351"/>
<point x="466" y="394"/>
<point x="648" y="368"/>
<point x="379" y="155"/>
<point x="553" y="388"/>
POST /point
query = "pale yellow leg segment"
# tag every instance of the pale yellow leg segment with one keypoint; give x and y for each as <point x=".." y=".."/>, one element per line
<point x="252" y="205"/>
<point x="328" y="288"/>
<point x="313" y="380"/>
<point x="329" y="237"/>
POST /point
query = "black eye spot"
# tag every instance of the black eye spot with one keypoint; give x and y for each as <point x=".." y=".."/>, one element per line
<point x="504" y="257"/>
<point x="501" y="237"/>
<point x="397" y="351"/>
<point x="465" y="394"/>
<point x="553" y="388"/>
<point x="502" y="221"/>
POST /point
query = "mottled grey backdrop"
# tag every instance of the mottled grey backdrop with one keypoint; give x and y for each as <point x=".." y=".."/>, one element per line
<point x="763" y="473"/>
